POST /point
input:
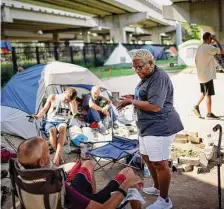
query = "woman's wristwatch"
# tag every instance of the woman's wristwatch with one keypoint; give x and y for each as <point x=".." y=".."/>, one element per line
<point x="121" y="191"/>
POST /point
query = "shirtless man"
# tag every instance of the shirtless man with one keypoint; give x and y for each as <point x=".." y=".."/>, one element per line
<point x="33" y="153"/>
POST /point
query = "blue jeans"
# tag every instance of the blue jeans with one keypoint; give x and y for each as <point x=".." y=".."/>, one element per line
<point x="96" y="116"/>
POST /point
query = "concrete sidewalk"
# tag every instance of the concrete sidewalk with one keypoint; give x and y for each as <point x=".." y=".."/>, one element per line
<point x="186" y="95"/>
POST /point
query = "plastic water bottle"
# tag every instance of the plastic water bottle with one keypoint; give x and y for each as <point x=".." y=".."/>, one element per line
<point x="146" y="171"/>
<point x="83" y="150"/>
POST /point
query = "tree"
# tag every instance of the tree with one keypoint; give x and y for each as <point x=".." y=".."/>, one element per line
<point x="190" y="31"/>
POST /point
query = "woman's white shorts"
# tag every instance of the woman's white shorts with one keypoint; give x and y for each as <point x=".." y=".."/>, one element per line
<point x="156" y="147"/>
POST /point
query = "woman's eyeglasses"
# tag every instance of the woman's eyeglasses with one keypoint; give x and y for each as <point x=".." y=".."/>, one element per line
<point x="139" y="67"/>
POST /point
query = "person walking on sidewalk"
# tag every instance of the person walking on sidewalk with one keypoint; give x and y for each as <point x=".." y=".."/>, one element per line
<point x="206" y="71"/>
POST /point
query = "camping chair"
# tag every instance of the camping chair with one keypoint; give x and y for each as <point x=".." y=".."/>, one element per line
<point x="114" y="151"/>
<point x="42" y="133"/>
<point x="41" y="187"/>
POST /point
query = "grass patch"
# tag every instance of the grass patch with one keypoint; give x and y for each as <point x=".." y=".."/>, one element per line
<point x="170" y="59"/>
<point x="105" y="72"/>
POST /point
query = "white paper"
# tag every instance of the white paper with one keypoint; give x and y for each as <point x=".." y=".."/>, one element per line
<point x="133" y="194"/>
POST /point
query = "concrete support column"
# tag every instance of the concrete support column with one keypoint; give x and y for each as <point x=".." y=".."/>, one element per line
<point x="118" y="35"/>
<point x="174" y="37"/>
<point x="156" y="38"/>
<point x="178" y="34"/>
<point x="128" y="37"/>
<point x="104" y="38"/>
<point x="86" y="37"/>
<point x="55" y="37"/>
<point x="221" y="37"/>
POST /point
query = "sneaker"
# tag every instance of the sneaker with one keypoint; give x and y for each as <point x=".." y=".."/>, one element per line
<point x="151" y="191"/>
<point x="4" y="174"/>
<point x="106" y="122"/>
<point x="211" y="116"/>
<point x="196" y="111"/>
<point x="161" y="204"/>
<point x="116" y="125"/>
<point x="103" y="130"/>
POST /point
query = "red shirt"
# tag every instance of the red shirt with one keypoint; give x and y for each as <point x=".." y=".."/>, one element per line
<point x="77" y="200"/>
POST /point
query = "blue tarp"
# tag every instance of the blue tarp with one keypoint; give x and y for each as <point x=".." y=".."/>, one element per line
<point x="6" y="45"/>
<point x="21" y="91"/>
<point x="157" y="51"/>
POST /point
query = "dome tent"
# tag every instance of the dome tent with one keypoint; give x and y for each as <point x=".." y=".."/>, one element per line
<point x="157" y="51"/>
<point x="187" y="52"/>
<point x="23" y="94"/>
<point x="119" y="57"/>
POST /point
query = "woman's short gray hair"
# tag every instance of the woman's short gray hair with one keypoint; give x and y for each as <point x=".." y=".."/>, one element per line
<point x="144" y="55"/>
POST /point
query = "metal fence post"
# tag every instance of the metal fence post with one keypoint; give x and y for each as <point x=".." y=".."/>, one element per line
<point x="84" y="54"/>
<point x="94" y="53"/>
<point x="71" y="54"/>
<point x="14" y="60"/>
<point x="37" y="55"/>
<point x="55" y="51"/>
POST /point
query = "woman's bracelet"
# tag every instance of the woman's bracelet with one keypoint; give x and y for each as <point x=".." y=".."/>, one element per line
<point x="133" y="102"/>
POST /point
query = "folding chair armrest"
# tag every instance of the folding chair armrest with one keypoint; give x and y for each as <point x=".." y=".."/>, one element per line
<point x="70" y="120"/>
<point x="96" y="142"/>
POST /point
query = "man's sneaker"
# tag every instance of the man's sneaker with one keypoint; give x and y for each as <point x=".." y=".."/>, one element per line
<point x="211" y="116"/>
<point x="161" y="204"/>
<point x="106" y="122"/>
<point x="196" y="111"/>
<point x="4" y="174"/>
<point x="116" y="125"/>
<point x="151" y="191"/>
<point x="103" y="130"/>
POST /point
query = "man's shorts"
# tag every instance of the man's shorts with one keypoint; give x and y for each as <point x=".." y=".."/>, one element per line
<point x="207" y="88"/>
<point x="82" y="184"/>
<point x="156" y="147"/>
<point x="49" y="125"/>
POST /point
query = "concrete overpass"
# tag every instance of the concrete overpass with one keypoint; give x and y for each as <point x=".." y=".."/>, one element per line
<point x="209" y="14"/>
<point x="89" y="20"/>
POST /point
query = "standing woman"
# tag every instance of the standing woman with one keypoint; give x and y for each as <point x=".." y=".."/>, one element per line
<point x="157" y="122"/>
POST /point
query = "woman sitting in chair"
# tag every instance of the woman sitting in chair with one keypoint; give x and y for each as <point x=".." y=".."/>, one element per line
<point x="58" y="108"/>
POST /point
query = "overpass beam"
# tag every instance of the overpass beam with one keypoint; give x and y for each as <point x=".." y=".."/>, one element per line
<point x="55" y="37"/>
<point x="6" y="15"/>
<point x="118" y="35"/>
<point x="117" y="24"/>
<point x="156" y="38"/>
<point x="156" y="33"/>
<point x="204" y="13"/>
<point x="86" y="36"/>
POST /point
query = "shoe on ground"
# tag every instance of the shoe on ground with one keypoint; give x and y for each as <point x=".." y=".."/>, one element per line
<point x="116" y="125"/>
<point x="4" y="174"/>
<point x="103" y="130"/>
<point x="196" y="111"/>
<point x="160" y="203"/>
<point x="211" y="116"/>
<point x="151" y="191"/>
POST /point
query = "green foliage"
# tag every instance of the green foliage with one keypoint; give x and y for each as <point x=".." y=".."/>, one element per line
<point x="170" y="59"/>
<point x="190" y="31"/>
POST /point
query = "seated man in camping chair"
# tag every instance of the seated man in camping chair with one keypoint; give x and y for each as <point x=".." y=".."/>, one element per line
<point x="58" y="108"/>
<point x="98" y="108"/>
<point x="34" y="154"/>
